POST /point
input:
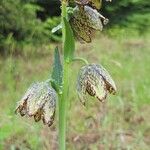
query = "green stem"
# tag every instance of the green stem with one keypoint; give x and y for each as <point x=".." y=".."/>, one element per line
<point x="64" y="96"/>
<point x="63" y="109"/>
<point x="63" y="14"/>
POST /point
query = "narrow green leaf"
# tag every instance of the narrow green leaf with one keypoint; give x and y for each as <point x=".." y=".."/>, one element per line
<point x="55" y="29"/>
<point x="57" y="71"/>
<point x="69" y="42"/>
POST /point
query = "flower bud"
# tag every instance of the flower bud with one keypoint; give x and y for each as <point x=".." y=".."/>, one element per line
<point x="96" y="81"/>
<point x="39" y="101"/>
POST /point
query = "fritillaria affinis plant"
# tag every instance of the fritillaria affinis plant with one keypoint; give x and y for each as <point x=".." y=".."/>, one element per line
<point x="40" y="100"/>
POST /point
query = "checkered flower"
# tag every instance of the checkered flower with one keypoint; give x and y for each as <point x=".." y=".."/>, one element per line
<point x="39" y="101"/>
<point x="94" y="80"/>
<point x="85" y="21"/>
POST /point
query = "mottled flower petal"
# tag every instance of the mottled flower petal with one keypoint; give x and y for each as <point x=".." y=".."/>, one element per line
<point x="110" y="84"/>
<point x="81" y="30"/>
<point x="94" y="18"/>
<point x="48" y="114"/>
<point x="98" y="90"/>
<point x="38" y="115"/>
<point x="49" y="109"/>
<point x="38" y="100"/>
<point x="96" y="81"/>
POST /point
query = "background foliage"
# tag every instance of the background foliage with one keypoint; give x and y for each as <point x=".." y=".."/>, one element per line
<point x="30" y="21"/>
<point x="129" y="13"/>
<point x="18" y="23"/>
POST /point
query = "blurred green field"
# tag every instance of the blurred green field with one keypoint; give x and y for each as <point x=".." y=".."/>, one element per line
<point x="122" y="123"/>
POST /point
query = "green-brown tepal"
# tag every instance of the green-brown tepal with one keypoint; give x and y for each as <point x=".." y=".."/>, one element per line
<point x="85" y="21"/>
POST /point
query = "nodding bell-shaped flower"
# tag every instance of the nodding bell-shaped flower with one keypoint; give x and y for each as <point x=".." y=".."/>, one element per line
<point x="94" y="80"/>
<point x="39" y="101"/>
<point x="85" y="21"/>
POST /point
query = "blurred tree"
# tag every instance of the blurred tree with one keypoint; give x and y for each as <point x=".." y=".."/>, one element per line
<point x="31" y="20"/>
<point x="18" y="19"/>
<point x="50" y="8"/>
<point x="130" y="13"/>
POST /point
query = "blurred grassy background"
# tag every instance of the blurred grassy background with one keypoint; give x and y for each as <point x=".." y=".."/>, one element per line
<point x="26" y="55"/>
<point x="122" y="123"/>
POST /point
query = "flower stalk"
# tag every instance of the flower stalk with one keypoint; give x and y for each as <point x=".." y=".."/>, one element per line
<point x="63" y="108"/>
<point x="63" y="97"/>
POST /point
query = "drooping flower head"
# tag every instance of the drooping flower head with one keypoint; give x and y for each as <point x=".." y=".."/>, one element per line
<point x="94" y="80"/>
<point x="39" y="101"/>
<point x="85" y="21"/>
